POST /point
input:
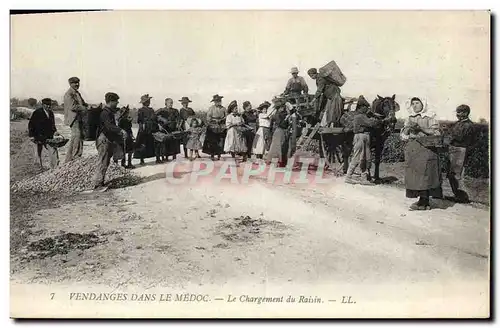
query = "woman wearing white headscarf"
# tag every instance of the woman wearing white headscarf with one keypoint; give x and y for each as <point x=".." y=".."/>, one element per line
<point x="422" y="172"/>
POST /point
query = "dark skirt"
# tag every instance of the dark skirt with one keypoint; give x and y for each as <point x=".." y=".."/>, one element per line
<point x="268" y="137"/>
<point x="279" y="145"/>
<point x="214" y="143"/>
<point x="172" y="147"/>
<point x="422" y="171"/>
<point x="145" y="145"/>
<point x="249" y="136"/>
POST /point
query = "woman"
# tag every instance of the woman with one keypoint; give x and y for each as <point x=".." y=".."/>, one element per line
<point x="185" y="113"/>
<point x="279" y="143"/>
<point x="235" y="142"/>
<point x="263" y="137"/>
<point x="125" y="123"/>
<point x="216" y="130"/>
<point x="422" y="172"/>
<point x="169" y="120"/>
<point x="250" y="116"/>
<point x="147" y="147"/>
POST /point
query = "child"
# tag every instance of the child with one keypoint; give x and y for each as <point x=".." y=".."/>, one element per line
<point x="194" y="142"/>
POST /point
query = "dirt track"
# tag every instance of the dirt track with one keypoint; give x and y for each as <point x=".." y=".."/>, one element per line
<point x="156" y="234"/>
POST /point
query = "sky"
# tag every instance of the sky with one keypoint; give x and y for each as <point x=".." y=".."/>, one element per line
<point x="442" y="56"/>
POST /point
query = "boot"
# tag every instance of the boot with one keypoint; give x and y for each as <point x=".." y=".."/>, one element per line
<point x="123" y="162"/>
<point x="185" y="152"/>
<point x="142" y="161"/>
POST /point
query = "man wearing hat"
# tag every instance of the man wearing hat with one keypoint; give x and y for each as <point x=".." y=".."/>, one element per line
<point x="146" y="118"/>
<point x="216" y="131"/>
<point x="462" y="138"/>
<point x="109" y="136"/>
<point x="296" y="84"/>
<point x="42" y="127"/>
<point x="328" y="102"/>
<point x="73" y="107"/>
<point x="185" y="113"/>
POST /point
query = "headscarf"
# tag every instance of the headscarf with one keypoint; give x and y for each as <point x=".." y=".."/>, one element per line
<point x="425" y="108"/>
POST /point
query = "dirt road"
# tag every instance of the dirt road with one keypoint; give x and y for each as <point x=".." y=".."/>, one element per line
<point x="262" y="237"/>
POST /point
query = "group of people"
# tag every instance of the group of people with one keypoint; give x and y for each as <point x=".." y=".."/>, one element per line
<point x="269" y="132"/>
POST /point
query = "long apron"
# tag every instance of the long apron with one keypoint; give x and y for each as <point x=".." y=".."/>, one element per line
<point x="422" y="170"/>
<point x="279" y="145"/>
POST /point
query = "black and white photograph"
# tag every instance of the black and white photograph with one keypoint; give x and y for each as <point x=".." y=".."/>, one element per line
<point x="250" y="164"/>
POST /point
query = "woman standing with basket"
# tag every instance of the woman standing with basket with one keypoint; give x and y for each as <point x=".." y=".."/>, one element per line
<point x="422" y="172"/>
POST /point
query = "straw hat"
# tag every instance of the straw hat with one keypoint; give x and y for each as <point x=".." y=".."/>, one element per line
<point x="185" y="100"/>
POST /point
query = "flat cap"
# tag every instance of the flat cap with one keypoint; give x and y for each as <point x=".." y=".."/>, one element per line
<point x="463" y="108"/>
<point x="73" y="79"/>
<point x="47" y="101"/>
<point x="111" y="96"/>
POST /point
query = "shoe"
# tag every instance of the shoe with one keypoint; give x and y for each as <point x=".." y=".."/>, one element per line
<point x="418" y="207"/>
<point x="142" y="163"/>
<point x="350" y="180"/>
<point x="100" y="188"/>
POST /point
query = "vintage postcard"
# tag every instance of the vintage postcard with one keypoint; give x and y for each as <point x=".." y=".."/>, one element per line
<point x="250" y="164"/>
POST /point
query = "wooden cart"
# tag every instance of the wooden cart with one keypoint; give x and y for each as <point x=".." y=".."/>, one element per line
<point x="331" y="139"/>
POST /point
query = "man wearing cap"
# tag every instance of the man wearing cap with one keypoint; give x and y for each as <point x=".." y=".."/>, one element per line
<point x="41" y="127"/>
<point x="73" y="107"/>
<point x="185" y="113"/>
<point x="328" y="102"/>
<point x="146" y="118"/>
<point x="462" y="138"/>
<point x="296" y="85"/>
<point x="109" y="136"/>
<point x="361" y="145"/>
<point x="216" y="131"/>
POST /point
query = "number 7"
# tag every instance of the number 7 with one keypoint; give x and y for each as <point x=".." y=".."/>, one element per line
<point x="52" y="296"/>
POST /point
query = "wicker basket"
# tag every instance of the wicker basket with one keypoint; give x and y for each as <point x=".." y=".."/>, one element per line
<point x="434" y="141"/>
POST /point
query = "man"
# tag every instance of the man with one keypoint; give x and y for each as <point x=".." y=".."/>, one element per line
<point x="296" y="85"/>
<point x="109" y="135"/>
<point x="361" y="148"/>
<point x="462" y="138"/>
<point x="216" y="134"/>
<point x="169" y="118"/>
<point x="146" y="118"/>
<point x="327" y="99"/>
<point x="41" y="127"/>
<point x="73" y="107"/>
<point x="185" y="113"/>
